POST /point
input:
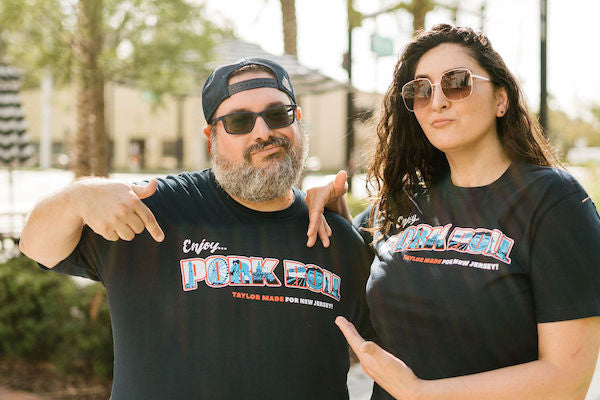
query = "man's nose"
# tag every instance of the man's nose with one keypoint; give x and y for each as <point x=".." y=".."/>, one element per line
<point x="261" y="130"/>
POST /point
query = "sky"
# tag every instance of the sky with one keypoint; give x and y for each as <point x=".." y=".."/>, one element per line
<point x="512" y="26"/>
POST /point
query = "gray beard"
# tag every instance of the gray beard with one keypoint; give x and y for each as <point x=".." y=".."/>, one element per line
<point x="269" y="181"/>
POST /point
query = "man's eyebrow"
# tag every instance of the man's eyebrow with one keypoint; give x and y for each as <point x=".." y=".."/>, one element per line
<point x="271" y="104"/>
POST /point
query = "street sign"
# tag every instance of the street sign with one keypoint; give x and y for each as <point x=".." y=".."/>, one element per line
<point x="382" y="46"/>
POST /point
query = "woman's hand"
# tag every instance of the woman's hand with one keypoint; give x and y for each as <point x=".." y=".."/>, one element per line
<point x="330" y="196"/>
<point x="568" y="354"/>
<point x="389" y="372"/>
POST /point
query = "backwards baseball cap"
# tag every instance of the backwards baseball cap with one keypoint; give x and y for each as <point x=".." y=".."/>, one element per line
<point x="216" y="88"/>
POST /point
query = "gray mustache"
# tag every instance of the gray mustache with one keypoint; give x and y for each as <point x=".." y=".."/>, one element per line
<point x="272" y="141"/>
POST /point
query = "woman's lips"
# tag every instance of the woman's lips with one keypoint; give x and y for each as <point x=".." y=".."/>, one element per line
<point x="441" y="122"/>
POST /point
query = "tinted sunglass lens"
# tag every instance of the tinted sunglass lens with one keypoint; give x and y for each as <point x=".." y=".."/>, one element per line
<point x="241" y="122"/>
<point x="422" y="93"/>
<point x="408" y="96"/>
<point x="457" y="85"/>
<point x="417" y="94"/>
<point x="279" y="117"/>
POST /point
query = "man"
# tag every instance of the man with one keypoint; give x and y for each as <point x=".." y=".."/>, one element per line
<point x="220" y="298"/>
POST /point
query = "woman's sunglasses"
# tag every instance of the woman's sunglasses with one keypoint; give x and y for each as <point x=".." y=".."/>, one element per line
<point x="241" y="122"/>
<point x="456" y="85"/>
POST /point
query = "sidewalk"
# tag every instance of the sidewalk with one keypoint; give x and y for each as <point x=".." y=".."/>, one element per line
<point x="7" y="394"/>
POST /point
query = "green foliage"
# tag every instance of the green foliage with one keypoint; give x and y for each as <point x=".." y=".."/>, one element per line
<point x="591" y="183"/>
<point x="30" y="313"/>
<point x="565" y="130"/>
<point x="36" y="35"/>
<point x="161" y="45"/>
<point x="45" y="316"/>
<point x="355" y="205"/>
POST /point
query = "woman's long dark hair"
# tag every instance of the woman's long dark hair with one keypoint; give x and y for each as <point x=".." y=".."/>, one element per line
<point x="405" y="162"/>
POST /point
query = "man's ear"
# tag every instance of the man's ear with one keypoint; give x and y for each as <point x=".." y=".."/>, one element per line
<point x="207" y="129"/>
<point x="299" y="113"/>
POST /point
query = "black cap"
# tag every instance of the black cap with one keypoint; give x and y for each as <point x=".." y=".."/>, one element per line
<point x="216" y="88"/>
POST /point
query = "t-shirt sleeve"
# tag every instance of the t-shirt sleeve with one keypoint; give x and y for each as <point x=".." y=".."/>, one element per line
<point x="86" y="259"/>
<point x="354" y="253"/>
<point x="565" y="260"/>
<point x="361" y="223"/>
<point x="363" y="260"/>
<point x="362" y="315"/>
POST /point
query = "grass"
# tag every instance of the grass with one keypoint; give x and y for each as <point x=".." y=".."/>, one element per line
<point x="588" y="176"/>
<point x="591" y="182"/>
<point x="355" y="205"/>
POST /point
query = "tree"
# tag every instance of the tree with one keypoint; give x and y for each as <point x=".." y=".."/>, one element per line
<point x="288" y="14"/>
<point x="161" y="45"/>
<point x="417" y="8"/>
<point x="90" y="155"/>
<point x="567" y="131"/>
<point x="595" y="111"/>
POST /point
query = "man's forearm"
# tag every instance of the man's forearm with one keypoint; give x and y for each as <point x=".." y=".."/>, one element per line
<point x="52" y="230"/>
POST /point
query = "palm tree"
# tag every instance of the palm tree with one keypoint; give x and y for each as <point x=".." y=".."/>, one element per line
<point x="288" y="13"/>
<point x="419" y="9"/>
<point x="90" y="145"/>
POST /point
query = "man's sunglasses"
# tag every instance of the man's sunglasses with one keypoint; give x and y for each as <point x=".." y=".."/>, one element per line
<point x="241" y="122"/>
<point x="456" y="85"/>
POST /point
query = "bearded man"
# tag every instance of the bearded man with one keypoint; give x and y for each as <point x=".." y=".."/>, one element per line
<point x="212" y="291"/>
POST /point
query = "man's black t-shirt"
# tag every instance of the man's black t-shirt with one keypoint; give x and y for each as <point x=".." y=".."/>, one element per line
<point x="460" y="284"/>
<point x="232" y="304"/>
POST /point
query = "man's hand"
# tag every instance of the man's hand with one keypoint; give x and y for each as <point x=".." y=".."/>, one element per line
<point x="114" y="210"/>
<point x="388" y="371"/>
<point x="330" y="196"/>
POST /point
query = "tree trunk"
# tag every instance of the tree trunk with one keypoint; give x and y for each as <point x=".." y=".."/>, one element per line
<point x="288" y="13"/>
<point x="89" y="155"/>
<point x="81" y="142"/>
<point x="420" y="8"/>
<point x="100" y="159"/>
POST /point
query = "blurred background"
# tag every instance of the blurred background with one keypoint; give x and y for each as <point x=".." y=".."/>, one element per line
<point x="112" y="88"/>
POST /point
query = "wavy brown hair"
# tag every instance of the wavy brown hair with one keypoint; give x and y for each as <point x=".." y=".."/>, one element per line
<point x="405" y="162"/>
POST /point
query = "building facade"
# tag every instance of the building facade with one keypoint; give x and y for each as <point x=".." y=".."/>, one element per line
<point x="168" y="136"/>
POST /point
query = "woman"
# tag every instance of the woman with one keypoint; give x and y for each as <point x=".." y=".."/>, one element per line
<point x="486" y="278"/>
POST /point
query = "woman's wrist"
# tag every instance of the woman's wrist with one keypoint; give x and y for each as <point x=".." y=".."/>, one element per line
<point x="416" y="389"/>
<point x="340" y="206"/>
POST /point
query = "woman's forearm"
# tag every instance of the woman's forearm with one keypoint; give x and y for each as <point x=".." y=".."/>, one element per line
<point x="568" y="352"/>
<point x="534" y="380"/>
